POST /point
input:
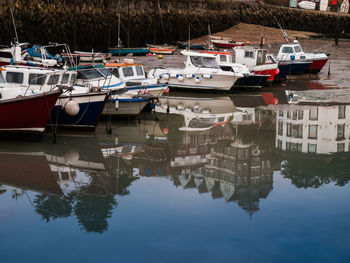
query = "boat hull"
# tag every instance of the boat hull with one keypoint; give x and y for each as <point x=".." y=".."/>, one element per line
<point x="126" y="51"/>
<point x="191" y="46"/>
<point x="227" y="45"/>
<point x="270" y="72"/>
<point x="28" y="114"/>
<point x="90" y="109"/>
<point x="162" y="51"/>
<point x="287" y="68"/>
<point x="253" y="81"/>
<point x="126" y="107"/>
<point x="316" y="66"/>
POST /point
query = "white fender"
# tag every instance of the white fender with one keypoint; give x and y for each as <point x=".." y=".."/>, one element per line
<point x="72" y="108"/>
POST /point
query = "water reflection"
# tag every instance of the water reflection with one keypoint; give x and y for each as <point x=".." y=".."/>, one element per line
<point x="226" y="147"/>
<point x="313" y="134"/>
<point x="70" y="177"/>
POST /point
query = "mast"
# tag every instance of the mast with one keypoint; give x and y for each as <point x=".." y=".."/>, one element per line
<point x="14" y="25"/>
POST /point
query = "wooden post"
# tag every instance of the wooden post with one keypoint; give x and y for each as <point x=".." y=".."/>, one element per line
<point x="337" y="26"/>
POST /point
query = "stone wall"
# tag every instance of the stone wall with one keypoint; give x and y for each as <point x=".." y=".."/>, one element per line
<point x="145" y="21"/>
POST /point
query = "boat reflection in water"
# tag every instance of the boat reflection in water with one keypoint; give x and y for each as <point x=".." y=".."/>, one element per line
<point x="69" y="179"/>
<point x="313" y="133"/>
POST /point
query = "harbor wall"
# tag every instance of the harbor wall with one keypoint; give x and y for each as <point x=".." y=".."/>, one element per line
<point x="94" y="23"/>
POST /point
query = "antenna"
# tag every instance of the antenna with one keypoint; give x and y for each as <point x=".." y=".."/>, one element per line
<point x="210" y="44"/>
<point x="14" y="24"/>
<point x="189" y="37"/>
<point x="285" y="36"/>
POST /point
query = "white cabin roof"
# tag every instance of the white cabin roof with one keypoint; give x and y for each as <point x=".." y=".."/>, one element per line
<point x="197" y="54"/>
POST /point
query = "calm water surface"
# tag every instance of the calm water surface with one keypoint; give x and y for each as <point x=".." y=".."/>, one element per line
<point x="218" y="179"/>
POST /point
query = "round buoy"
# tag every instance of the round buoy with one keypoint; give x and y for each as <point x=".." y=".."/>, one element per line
<point x="180" y="78"/>
<point x="160" y="57"/>
<point x="165" y="131"/>
<point x="149" y="54"/>
<point x="197" y="80"/>
<point x="72" y="108"/>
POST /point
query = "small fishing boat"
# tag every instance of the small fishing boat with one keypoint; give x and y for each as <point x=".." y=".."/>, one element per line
<point x="79" y="107"/>
<point x="201" y="72"/>
<point x="25" y="111"/>
<point x="185" y="45"/>
<point x="248" y="80"/>
<point x="221" y="42"/>
<point x="116" y="51"/>
<point x="307" y="5"/>
<point x="141" y="91"/>
<point x="294" y="52"/>
<point x="288" y="67"/>
<point x="255" y="60"/>
<point x="92" y="57"/>
<point x="134" y="77"/>
<point x="161" y="49"/>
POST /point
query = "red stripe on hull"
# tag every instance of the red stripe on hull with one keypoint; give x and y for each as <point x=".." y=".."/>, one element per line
<point x="271" y="72"/>
<point x="27" y="113"/>
<point x="317" y="65"/>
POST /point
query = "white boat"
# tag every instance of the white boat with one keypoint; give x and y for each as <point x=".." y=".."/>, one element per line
<point x="201" y="72"/>
<point x="294" y="52"/>
<point x="134" y="77"/>
<point x="307" y="5"/>
<point x="92" y="57"/>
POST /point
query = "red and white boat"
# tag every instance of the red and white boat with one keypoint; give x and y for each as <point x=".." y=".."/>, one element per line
<point x="21" y="111"/>
<point x="222" y="42"/>
<point x="255" y="60"/>
<point x="293" y="51"/>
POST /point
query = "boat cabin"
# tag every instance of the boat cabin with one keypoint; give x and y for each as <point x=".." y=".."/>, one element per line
<point x="200" y="60"/>
<point x="25" y="76"/>
<point x="98" y="76"/>
<point x="127" y="71"/>
<point x="250" y="56"/>
<point x="291" y="51"/>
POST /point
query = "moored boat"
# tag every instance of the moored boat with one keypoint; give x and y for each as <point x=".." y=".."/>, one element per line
<point x="221" y="42"/>
<point x="201" y="72"/>
<point x="184" y="45"/>
<point x="116" y="51"/>
<point x="161" y="49"/>
<point x="22" y="112"/>
<point x="294" y="52"/>
<point x="248" y="80"/>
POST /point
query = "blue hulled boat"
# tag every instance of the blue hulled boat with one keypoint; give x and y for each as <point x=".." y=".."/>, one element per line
<point x="125" y="51"/>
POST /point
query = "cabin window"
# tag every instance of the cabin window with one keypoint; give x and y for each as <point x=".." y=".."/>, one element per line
<point x="89" y="74"/>
<point x="105" y="72"/>
<point x="5" y="54"/>
<point x="2" y="80"/>
<point x="65" y="79"/>
<point x="297" y="49"/>
<point x="73" y="78"/>
<point x="127" y="71"/>
<point x="223" y="58"/>
<point x="280" y="128"/>
<point x="288" y="50"/>
<point x="53" y="79"/>
<point x="204" y="62"/>
<point x="114" y="71"/>
<point x="14" y="77"/>
<point x="37" y="79"/>
<point x="249" y="54"/>
<point x="139" y="70"/>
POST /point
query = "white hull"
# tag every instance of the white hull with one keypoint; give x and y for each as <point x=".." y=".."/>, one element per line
<point x="216" y="82"/>
<point x="124" y="108"/>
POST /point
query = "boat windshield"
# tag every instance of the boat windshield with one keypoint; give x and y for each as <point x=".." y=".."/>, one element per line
<point x="105" y="72"/>
<point x="204" y="62"/>
<point x="90" y="73"/>
<point x="2" y="80"/>
<point x="298" y="49"/>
